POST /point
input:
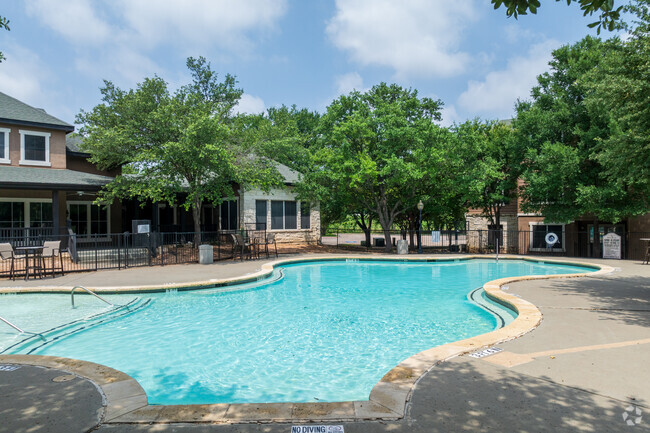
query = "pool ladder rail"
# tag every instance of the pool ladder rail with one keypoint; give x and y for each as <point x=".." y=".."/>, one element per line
<point x="89" y="291"/>
<point x="21" y="330"/>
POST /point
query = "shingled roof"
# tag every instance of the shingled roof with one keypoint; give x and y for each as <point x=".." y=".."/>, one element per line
<point x="16" y="112"/>
<point x="49" y="178"/>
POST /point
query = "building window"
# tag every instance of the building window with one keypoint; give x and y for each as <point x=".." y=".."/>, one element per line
<point x="547" y="237"/>
<point x="40" y="214"/>
<point x="260" y="214"/>
<point x="34" y="148"/>
<point x="87" y="218"/>
<point x="229" y="215"/>
<point x="4" y="146"/>
<point x="305" y="215"/>
<point x="12" y="214"/>
<point x="284" y="215"/>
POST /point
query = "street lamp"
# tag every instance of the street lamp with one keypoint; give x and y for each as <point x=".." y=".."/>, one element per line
<point x="420" y="207"/>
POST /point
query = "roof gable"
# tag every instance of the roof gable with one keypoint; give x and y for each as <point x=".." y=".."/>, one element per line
<point x="14" y="111"/>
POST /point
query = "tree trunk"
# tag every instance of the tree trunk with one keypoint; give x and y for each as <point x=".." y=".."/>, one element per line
<point x="196" y="214"/>
<point x="388" y="248"/>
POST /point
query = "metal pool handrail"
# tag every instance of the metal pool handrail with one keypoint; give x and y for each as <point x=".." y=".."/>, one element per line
<point x="89" y="291"/>
<point x="20" y="330"/>
<point x="12" y="325"/>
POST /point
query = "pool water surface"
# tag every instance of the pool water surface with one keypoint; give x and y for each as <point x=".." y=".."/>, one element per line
<point x="314" y="331"/>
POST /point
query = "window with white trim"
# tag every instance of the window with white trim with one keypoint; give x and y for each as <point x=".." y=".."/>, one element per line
<point x="87" y="218"/>
<point x="34" y="148"/>
<point x="12" y="214"/>
<point x="546" y="237"/>
<point x="284" y="215"/>
<point x="4" y="146"/>
<point x="25" y="213"/>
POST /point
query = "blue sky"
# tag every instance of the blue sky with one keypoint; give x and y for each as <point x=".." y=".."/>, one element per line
<point x="303" y="52"/>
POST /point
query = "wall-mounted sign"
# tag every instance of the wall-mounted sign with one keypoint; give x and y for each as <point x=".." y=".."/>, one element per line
<point x="611" y="246"/>
<point x="143" y="228"/>
<point x="551" y="239"/>
<point x="435" y="237"/>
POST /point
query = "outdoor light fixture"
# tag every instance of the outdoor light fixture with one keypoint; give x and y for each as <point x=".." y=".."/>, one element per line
<point x="420" y="207"/>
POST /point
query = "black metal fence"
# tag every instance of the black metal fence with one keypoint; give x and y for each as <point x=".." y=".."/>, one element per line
<point x="126" y="250"/>
<point x="566" y="243"/>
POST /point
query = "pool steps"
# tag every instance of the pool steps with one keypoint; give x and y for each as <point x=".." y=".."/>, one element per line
<point x="35" y="341"/>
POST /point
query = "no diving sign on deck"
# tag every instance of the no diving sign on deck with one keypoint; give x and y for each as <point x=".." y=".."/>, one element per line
<point x="317" y="429"/>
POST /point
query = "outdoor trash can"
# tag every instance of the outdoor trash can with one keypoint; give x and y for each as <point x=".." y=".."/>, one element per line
<point x="206" y="254"/>
<point x="402" y="246"/>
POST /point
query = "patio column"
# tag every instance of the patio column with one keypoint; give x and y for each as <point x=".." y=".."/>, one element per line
<point x="55" y="212"/>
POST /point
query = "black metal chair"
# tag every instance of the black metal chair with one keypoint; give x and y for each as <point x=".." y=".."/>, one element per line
<point x="52" y="249"/>
<point x="241" y="246"/>
<point x="270" y="240"/>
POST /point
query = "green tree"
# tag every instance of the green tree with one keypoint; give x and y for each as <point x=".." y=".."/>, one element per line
<point x="609" y="17"/>
<point x="4" y="24"/>
<point x="565" y="178"/>
<point x="620" y="89"/>
<point x="494" y="165"/>
<point x="179" y="148"/>
<point x="379" y="151"/>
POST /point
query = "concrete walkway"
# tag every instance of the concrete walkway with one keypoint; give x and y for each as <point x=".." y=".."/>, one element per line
<point x="580" y="370"/>
<point x="36" y="399"/>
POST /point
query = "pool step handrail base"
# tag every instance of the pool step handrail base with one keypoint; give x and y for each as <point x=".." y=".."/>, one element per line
<point x="89" y="291"/>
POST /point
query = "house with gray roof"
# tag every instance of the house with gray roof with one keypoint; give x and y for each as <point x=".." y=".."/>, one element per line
<point x="48" y="184"/>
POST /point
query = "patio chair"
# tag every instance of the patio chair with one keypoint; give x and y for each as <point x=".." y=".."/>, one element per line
<point x="52" y="249"/>
<point x="7" y="253"/>
<point x="270" y="240"/>
<point x="241" y="246"/>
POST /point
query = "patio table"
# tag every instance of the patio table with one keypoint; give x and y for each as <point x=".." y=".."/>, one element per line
<point x="32" y="260"/>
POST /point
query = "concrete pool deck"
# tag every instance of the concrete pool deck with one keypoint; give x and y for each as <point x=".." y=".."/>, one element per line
<point x="579" y="370"/>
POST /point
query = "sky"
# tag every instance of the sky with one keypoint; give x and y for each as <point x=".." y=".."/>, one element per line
<point x="303" y="52"/>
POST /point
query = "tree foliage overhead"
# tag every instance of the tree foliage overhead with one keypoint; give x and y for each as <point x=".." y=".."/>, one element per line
<point x="181" y="147"/>
<point x="4" y="24"/>
<point x="609" y="17"/>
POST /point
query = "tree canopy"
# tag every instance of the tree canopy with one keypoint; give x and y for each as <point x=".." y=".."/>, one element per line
<point x="181" y="147"/>
<point x="609" y="17"/>
<point x="379" y="153"/>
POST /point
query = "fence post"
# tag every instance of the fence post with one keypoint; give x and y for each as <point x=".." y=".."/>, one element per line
<point x="96" y="251"/>
<point x="162" y="249"/>
<point x="337" y="237"/>
<point x="149" y="249"/>
<point x="119" y="251"/>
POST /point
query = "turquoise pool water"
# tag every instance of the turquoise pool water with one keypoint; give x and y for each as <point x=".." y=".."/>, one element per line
<point x="315" y="331"/>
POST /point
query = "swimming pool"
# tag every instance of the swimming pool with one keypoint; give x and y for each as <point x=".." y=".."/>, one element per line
<point x="315" y="331"/>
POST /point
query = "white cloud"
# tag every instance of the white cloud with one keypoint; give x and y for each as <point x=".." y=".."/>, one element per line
<point x="116" y="38"/>
<point x="224" y="23"/>
<point x="413" y="37"/>
<point x="497" y="94"/>
<point x="348" y="82"/>
<point x="75" y="20"/>
<point x="22" y="75"/>
<point x="449" y="115"/>
<point x="250" y="104"/>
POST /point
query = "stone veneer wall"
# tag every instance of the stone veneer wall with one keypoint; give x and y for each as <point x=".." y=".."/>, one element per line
<point x="478" y="222"/>
<point x="310" y="235"/>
